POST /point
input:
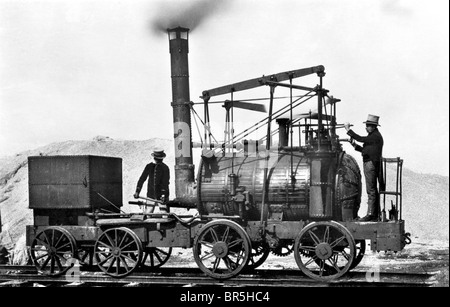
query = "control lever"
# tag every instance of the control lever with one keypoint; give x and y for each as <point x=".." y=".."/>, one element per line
<point x="339" y="126"/>
<point x="153" y="203"/>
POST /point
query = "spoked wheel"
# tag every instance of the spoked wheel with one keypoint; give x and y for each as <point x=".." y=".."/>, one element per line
<point x="360" y="248"/>
<point x="118" y="251"/>
<point x="324" y="250"/>
<point x="259" y="254"/>
<point x="53" y="251"/>
<point x="155" y="257"/>
<point x="222" y="249"/>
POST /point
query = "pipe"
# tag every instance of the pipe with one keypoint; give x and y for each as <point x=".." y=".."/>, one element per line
<point x="283" y="136"/>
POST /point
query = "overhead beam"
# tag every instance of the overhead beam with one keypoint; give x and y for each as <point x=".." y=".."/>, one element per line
<point x="256" y="82"/>
<point x="298" y="87"/>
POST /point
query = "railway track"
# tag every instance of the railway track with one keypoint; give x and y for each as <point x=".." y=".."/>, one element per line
<point x="27" y="276"/>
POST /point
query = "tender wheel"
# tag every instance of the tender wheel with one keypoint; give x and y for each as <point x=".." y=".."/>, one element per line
<point x="155" y="257"/>
<point x="222" y="249"/>
<point x="259" y="254"/>
<point x="53" y="251"/>
<point x="324" y="250"/>
<point x="118" y="251"/>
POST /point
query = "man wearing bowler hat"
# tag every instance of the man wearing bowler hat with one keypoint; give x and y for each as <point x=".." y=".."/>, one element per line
<point x="158" y="175"/>
<point x="372" y="151"/>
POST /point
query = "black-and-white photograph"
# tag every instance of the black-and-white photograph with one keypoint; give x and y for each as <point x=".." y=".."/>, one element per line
<point x="214" y="146"/>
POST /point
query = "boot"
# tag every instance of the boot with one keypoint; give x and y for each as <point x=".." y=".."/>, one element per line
<point x="372" y="213"/>
<point x="369" y="218"/>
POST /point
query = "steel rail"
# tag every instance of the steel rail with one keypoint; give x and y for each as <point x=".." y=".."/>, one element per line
<point x="25" y="276"/>
<point x="103" y="280"/>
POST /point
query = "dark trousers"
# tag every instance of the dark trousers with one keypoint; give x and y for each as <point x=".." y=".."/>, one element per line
<point x="371" y="173"/>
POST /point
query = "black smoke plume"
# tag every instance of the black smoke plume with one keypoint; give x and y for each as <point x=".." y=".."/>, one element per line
<point x="185" y="13"/>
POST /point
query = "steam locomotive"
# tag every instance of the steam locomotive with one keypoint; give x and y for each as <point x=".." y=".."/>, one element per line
<point x="252" y="198"/>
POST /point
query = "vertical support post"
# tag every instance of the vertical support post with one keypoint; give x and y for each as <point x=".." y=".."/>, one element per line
<point x="266" y="164"/>
<point x="319" y="115"/>
<point x="269" y="119"/>
<point x="383" y="166"/>
<point x="207" y="133"/>
<point x="400" y="162"/>
<point x="333" y="118"/>
<point x="291" y="123"/>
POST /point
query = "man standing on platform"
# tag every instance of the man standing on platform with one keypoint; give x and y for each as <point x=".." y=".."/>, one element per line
<point x="158" y="175"/>
<point x="372" y="151"/>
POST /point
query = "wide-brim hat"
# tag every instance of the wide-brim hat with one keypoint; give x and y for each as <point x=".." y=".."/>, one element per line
<point x="158" y="154"/>
<point x="372" y="120"/>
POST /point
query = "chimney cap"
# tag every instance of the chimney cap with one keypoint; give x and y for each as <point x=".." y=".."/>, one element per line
<point x="178" y="29"/>
<point x="178" y="33"/>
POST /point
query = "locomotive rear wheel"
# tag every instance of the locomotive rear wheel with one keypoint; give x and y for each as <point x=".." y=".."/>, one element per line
<point x="155" y="257"/>
<point x="324" y="250"/>
<point x="360" y="249"/>
<point x="53" y="251"/>
<point x="222" y="249"/>
<point x="118" y="252"/>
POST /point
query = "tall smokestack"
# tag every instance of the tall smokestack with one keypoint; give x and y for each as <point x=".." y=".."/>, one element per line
<point x="184" y="168"/>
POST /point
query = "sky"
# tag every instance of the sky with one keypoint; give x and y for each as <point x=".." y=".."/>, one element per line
<point x="73" y="70"/>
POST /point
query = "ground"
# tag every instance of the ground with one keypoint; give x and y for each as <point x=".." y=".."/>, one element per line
<point x="417" y="257"/>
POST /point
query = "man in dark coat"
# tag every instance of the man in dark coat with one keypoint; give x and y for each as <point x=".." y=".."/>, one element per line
<point x="158" y="175"/>
<point x="372" y="151"/>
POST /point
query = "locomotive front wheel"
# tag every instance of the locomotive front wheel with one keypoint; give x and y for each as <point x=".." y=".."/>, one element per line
<point x="222" y="249"/>
<point x="155" y="257"/>
<point x="118" y="251"/>
<point x="53" y="251"/>
<point x="324" y="250"/>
